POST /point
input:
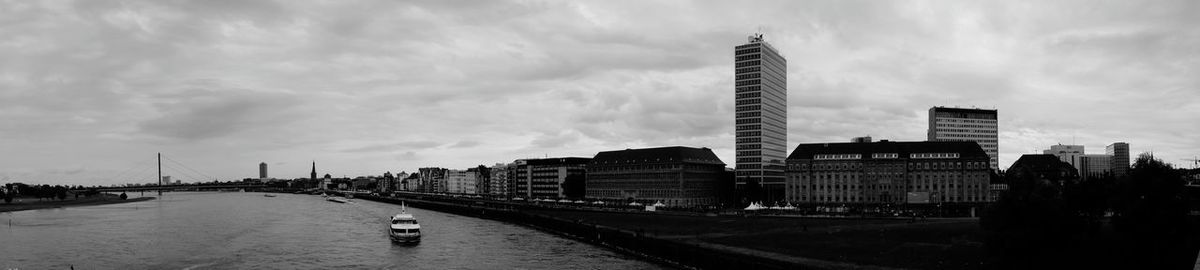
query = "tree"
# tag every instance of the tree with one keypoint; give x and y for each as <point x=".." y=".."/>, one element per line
<point x="573" y="186"/>
<point x="60" y="192"/>
<point x="1030" y="223"/>
<point x="1150" y="214"/>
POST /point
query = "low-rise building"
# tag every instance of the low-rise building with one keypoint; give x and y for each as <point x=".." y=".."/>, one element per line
<point x="888" y="172"/>
<point x="675" y="176"/>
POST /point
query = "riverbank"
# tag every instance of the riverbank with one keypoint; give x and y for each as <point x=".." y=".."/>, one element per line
<point x="22" y="204"/>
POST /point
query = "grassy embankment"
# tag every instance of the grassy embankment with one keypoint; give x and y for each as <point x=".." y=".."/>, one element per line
<point x="832" y="243"/>
<point x="28" y="203"/>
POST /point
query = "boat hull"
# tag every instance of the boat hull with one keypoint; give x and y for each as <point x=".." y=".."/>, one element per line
<point x="405" y="238"/>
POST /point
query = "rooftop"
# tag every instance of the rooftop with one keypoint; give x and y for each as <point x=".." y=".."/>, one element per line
<point x="660" y="154"/>
<point x="902" y="149"/>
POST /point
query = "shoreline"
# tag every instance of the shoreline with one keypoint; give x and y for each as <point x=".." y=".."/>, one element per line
<point x="35" y="205"/>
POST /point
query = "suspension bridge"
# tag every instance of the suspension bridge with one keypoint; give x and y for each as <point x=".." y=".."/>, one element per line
<point x="148" y="175"/>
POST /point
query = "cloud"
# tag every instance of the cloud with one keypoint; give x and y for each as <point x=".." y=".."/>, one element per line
<point x="370" y="86"/>
<point x="392" y="147"/>
<point x="464" y="144"/>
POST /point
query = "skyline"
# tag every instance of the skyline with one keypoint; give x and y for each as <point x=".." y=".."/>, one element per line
<point x="89" y="89"/>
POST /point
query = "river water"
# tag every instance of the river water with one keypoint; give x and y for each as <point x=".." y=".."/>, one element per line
<point x="236" y="230"/>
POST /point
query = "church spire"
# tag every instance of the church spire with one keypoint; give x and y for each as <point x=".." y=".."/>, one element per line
<point x="314" y="171"/>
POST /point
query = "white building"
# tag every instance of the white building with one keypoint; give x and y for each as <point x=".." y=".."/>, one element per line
<point x="960" y="124"/>
<point x="460" y="181"/>
<point x="1066" y="153"/>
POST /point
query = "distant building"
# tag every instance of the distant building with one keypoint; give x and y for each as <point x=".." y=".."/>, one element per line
<point x="313" y="176"/>
<point x="1120" y="157"/>
<point x="1041" y="167"/>
<point x="262" y="171"/>
<point x="1093" y="165"/>
<point x="386" y="183"/>
<point x="460" y="181"/>
<point x="973" y="125"/>
<point x="1066" y="153"/>
<point x="543" y="178"/>
<point x="675" y="176"/>
<point x="863" y="139"/>
<point x="166" y="180"/>
<point x="432" y="180"/>
<point x="501" y="179"/>
<point x="483" y="179"/>
<point x="760" y="119"/>
<point x="411" y="183"/>
<point x="887" y="172"/>
<point x="326" y="183"/>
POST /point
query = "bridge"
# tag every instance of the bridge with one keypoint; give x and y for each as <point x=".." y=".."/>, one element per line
<point x="151" y="171"/>
<point x="186" y="187"/>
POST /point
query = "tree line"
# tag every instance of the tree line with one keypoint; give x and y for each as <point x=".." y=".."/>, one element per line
<point x="1135" y="221"/>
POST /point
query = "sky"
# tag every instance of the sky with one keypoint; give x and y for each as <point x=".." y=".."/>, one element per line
<point x="90" y="91"/>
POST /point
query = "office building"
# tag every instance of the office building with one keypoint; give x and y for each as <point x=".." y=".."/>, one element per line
<point x="1090" y="166"/>
<point x="973" y="125"/>
<point x="262" y="171"/>
<point x="544" y="178"/>
<point x="675" y="176"/>
<point x="888" y="173"/>
<point x="760" y="99"/>
<point x="1120" y="158"/>
<point x="1066" y="153"/>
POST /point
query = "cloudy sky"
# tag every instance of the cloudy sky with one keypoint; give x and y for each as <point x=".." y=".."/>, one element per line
<point x="91" y="90"/>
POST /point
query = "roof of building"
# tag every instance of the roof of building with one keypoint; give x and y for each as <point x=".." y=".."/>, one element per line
<point x="963" y="110"/>
<point x="660" y="154"/>
<point x="1039" y="162"/>
<point x="554" y="161"/>
<point x="902" y="149"/>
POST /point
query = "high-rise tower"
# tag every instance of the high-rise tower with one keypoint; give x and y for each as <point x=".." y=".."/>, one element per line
<point x="973" y="125"/>
<point x="1120" y="159"/>
<point x="760" y="89"/>
<point x="262" y="170"/>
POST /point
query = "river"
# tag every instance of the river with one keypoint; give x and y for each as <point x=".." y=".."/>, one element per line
<point x="241" y="230"/>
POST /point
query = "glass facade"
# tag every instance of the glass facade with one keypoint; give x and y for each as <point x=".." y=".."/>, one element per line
<point x="760" y="94"/>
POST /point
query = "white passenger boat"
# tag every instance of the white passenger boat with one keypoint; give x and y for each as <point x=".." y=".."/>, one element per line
<point x="404" y="228"/>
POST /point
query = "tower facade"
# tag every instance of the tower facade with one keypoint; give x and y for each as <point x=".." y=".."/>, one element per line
<point x="313" y="176"/>
<point x="1120" y="157"/>
<point x="760" y="99"/>
<point x="262" y="170"/>
<point x="973" y="125"/>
